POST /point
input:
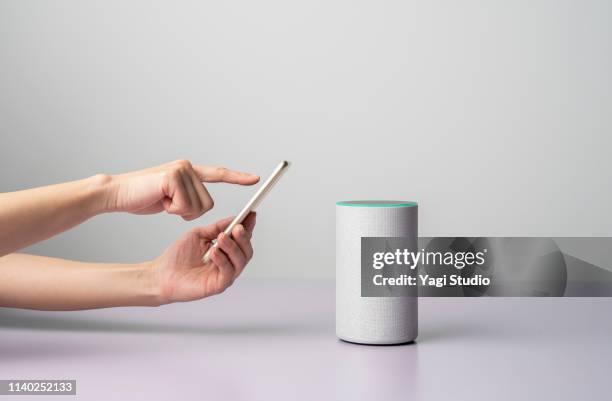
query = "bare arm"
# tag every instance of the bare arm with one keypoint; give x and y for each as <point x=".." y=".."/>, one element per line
<point x="36" y="282"/>
<point x="30" y="216"/>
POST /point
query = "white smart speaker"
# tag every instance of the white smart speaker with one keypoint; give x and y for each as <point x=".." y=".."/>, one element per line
<point x="372" y="320"/>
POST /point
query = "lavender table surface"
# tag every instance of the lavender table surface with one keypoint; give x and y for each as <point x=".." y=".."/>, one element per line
<point x="266" y="340"/>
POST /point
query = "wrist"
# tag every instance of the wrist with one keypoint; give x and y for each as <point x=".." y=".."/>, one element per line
<point x="103" y="189"/>
<point x="149" y="288"/>
<point x="157" y="284"/>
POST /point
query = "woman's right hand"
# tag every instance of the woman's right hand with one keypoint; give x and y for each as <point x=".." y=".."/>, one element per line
<point x="174" y="187"/>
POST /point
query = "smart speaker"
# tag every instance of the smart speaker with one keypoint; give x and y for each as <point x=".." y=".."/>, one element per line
<point x="372" y="320"/>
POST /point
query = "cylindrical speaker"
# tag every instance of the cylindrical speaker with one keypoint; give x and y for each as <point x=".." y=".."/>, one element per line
<point x="372" y="320"/>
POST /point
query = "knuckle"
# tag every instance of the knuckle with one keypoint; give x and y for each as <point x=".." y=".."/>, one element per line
<point x="239" y="232"/>
<point x="229" y="243"/>
<point x="183" y="164"/>
<point x="222" y="171"/>
<point x="174" y="175"/>
<point x="227" y="246"/>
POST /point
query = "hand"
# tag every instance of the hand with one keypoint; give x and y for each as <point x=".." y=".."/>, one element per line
<point x="180" y="274"/>
<point x="174" y="187"/>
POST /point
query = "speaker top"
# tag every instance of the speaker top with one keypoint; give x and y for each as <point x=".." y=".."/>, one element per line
<point x="377" y="203"/>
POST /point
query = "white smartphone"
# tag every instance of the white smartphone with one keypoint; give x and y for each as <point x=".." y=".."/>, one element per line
<point x="253" y="203"/>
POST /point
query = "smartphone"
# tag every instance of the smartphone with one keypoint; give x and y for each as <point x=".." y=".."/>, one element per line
<point x="252" y="203"/>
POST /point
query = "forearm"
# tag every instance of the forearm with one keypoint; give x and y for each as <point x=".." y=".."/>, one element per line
<point x="29" y="216"/>
<point x="35" y="282"/>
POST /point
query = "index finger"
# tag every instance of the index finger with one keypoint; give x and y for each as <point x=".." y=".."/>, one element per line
<point x="222" y="174"/>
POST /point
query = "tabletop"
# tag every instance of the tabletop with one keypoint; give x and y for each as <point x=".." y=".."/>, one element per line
<point x="274" y="339"/>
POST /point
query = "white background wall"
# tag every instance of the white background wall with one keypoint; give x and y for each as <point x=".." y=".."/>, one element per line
<point x="495" y="115"/>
